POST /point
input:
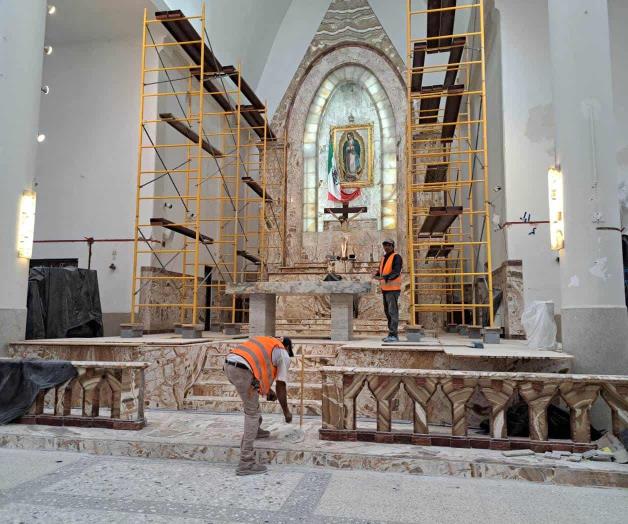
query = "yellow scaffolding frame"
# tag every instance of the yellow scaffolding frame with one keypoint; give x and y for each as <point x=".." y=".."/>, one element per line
<point x="220" y="193"/>
<point x="449" y="232"/>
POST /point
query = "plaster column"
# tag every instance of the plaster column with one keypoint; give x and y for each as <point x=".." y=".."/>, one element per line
<point x="594" y="319"/>
<point x="22" y="30"/>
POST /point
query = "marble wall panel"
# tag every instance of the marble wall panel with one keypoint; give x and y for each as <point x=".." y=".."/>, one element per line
<point x="509" y="279"/>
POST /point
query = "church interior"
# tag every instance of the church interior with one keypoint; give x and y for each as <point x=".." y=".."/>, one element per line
<point x="181" y="175"/>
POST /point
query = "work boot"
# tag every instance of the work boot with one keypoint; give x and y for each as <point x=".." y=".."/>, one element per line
<point x="253" y="469"/>
<point x="391" y="338"/>
<point x="262" y="433"/>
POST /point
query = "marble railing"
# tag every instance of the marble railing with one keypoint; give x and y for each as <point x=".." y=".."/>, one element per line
<point x="342" y="385"/>
<point x="103" y="394"/>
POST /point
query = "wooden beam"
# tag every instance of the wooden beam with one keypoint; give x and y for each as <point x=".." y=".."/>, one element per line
<point x="249" y="257"/>
<point x="418" y="60"/>
<point x="188" y="133"/>
<point x="182" y="230"/>
<point x="439" y="221"/>
<point x="452" y="110"/>
<point x="257" y="188"/>
<point x="361" y="209"/>
<point x="454" y="60"/>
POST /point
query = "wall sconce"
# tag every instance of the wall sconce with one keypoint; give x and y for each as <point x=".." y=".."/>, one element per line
<point x="556" y="209"/>
<point x="26" y="227"/>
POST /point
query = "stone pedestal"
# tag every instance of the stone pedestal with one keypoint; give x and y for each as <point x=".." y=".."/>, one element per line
<point x="414" y="333"/>
<point x="491" y="335"/>
<point x="474" y="332"/>
<point x="262" y="314"/>
<point x="191" y="330"/>
<point x="341" y="317"/>
<point x="131" y="330"/>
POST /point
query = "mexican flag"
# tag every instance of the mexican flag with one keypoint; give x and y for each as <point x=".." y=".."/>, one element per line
<point x="334" y="191"/>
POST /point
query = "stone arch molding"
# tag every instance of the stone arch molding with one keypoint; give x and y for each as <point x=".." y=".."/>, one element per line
<point x="387" y="165"/>
<point x="376" y="73"/>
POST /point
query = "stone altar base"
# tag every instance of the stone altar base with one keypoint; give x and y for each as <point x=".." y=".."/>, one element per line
<point x="215" y="438"/>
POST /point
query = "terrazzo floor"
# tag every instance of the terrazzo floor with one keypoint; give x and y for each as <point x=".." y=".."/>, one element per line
<point x="57" y="487"/>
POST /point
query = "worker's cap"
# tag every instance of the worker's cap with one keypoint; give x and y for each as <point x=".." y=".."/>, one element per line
<point x="388" y="241"/>
<point x="287" y="343"/>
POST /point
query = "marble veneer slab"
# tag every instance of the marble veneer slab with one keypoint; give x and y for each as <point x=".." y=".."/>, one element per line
<point x="215" y="438"/>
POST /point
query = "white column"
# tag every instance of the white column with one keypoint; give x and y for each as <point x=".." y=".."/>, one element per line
<point x="22" y="30"/>
<point x="594" y="319"/>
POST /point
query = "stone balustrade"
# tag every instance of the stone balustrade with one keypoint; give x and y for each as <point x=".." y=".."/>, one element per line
<point x="80" y="400"/>
<point x="342" y="385"/>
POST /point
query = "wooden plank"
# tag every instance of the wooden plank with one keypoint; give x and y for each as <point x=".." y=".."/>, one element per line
<point x="418" y="60"/>
<point x="188" y="133"/>
<point x="436" y="173"/>
<point x="454" y="60"/>
<point x="439" y="220"/>
<point x="182" y="230"/>
<point x="428" y="108"/>
<point x="452" y="110"/>
<point x="254" y="185"/>
<point x="183" y="31"/>
<point x="249" y="257"/>
<point x="345" y="210"/>
<point x="439" y="251"/>
<point x="440" y="23"/>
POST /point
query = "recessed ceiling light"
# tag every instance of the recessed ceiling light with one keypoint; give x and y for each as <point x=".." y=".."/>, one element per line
<point x="41" y="137"/>
<point x="52" y="9"/>
<point x="48" y="50"/>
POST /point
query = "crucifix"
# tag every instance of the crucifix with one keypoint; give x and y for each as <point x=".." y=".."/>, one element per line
<point x="342" y="213"/>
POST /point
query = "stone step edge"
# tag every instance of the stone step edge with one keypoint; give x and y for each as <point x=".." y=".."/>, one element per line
<point x="509" y="469"/>
<point x="296" y="402"/>
<point x="227" y="383"/>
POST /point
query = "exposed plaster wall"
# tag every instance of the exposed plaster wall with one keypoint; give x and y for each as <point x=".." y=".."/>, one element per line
<point x="528" y="145"/>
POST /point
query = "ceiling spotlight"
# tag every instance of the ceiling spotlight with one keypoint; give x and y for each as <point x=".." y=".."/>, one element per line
<point x="48" y="50"/>
<point x="52" y="9"/>
<point x="41" y="137"/>
<point x="45" y="90"/>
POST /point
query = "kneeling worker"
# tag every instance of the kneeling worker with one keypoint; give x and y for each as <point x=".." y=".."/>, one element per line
<point x="252" y="367"/>
<point x="389" y="276"/>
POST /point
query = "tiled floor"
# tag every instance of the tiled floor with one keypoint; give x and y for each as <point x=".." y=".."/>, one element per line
<point x="66" y="488"/>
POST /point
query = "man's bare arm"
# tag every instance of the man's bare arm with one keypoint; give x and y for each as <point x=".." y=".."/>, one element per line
<point x="282" y="396"/>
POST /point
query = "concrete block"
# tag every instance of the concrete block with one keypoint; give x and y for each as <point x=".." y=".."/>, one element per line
<point x="492" y="335"/>
<point x="231" y="329"/>
<point x="474" y="332"/>
<point x="191" y="330"/>
<point x="463" y="329"/>
<point x="452" y="328"/>
<point x="414" y="333"/>
<point x="177" y="328"/>
<point x="130" y="330"/>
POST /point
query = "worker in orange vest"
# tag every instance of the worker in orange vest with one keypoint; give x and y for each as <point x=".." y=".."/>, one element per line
<point x="389" y="276"/>
<point x="252" y="367"/>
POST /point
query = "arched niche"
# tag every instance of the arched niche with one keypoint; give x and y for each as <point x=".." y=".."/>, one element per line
<point x="371" y="71"/>
<point x="350" y="93"/>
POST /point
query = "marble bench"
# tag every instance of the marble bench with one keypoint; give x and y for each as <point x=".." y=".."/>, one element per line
<point x="118" y="386"/>
<point x="262" y="303"/>
<point x="342" y="385"/>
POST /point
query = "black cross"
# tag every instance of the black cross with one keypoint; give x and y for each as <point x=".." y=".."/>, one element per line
<point x="344" y="211"/>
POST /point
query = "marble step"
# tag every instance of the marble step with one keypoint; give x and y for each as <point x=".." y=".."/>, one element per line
<point x="224" y="389"/>
<point x="216" y="374"/>
<point x="311" y="362"/>
<point x="227" y="405"/>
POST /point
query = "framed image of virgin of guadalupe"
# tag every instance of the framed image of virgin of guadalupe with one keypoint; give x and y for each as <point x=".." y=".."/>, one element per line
<point x="353" y="149"/>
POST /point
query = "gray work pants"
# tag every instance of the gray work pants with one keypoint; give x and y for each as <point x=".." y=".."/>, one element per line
<point x="391" y="308"/>
<point x="242" y="379"/>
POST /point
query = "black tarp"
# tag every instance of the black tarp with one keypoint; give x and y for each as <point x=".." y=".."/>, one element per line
<point x="63" y="302"/>
<point x="21" y="380"/>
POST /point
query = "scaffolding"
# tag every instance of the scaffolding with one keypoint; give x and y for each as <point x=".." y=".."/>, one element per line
<point x="206" y="185"/>
<point x="449" y="234"/>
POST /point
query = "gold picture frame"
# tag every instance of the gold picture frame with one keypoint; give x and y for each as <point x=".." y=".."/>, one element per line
<point x="353" y="170"/>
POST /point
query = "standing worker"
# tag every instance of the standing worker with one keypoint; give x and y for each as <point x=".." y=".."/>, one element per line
<point x="252" y="367"/>
<point x="389" y="276"/>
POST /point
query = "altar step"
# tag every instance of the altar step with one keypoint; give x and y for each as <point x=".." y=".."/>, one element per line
<point x="225" y="390"/>
<point x="232" y="405"/>
<point x="312" y="375"/>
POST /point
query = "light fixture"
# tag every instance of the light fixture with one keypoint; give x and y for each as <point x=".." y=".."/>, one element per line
<point x="52" y="9"/>
<point x="556" y="209"/>
<point x="41" y="137"/>
<point x="26" y="227"/>
<point x="47" y="49"/>
<point x="45" y="89"/>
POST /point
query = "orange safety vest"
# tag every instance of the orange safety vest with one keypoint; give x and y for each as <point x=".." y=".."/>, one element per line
<point x="386" y="269"/>
<point x="258" y="352"/>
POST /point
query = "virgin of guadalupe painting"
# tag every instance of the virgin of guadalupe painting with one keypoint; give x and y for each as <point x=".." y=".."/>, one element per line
<point x="353" y="146"/>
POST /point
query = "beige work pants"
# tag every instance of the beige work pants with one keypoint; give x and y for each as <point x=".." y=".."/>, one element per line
<point x="241" y="379"/>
